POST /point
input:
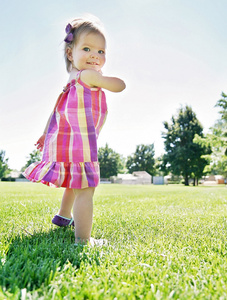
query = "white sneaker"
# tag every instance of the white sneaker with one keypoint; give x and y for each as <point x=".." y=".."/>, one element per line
<point x="92" y="242"/>
<point x="97" y="242"/>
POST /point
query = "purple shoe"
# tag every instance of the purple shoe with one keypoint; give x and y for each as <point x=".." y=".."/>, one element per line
<point x="62" y="221"/>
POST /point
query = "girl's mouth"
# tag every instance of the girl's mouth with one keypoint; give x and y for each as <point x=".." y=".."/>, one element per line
<point x="93" y="63"/>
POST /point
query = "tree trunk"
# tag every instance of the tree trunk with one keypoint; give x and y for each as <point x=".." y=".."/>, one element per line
<point x="194" y="181"/>
<point x="186" y="180"/>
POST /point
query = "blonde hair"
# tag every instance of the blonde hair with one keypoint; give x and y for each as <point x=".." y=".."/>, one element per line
<point x="86" y="24"/>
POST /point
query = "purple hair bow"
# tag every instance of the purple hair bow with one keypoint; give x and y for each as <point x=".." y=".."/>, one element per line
<point x="69" y="36"/>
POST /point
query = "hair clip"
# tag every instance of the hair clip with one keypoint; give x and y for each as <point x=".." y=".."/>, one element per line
<point x="68" y="28"/>
<point x="69" y="38"/>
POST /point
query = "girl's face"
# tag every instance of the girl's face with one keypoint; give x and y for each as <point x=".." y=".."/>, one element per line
<point x="88" y="52"/>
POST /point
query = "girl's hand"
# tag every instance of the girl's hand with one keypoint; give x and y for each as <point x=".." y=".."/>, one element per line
<point x="96" y="79"/>
<point x="40" y="143"/>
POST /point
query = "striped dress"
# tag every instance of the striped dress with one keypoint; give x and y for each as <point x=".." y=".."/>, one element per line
<point x="70" y="150"/>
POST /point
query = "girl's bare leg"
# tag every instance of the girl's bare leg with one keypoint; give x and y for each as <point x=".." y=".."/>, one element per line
<point x="67" y="203"/>
<point x="83" y="214"/>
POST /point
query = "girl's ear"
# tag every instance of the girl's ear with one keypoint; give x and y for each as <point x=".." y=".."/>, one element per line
<point x="69" y="53"/>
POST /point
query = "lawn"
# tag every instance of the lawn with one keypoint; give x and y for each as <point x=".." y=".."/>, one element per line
<point x="165" y="242"/>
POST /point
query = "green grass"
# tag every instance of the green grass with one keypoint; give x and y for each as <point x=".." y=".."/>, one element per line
<point x="165" y="242"/>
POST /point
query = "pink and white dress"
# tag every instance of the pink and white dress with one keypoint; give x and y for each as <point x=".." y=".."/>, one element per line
<point x="70" y="157"/>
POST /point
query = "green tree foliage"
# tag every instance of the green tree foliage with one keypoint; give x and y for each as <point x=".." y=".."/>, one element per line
<point x="216" y="139"/>
<point x="183" y="156"/>
<point x="142" y="159"/>
<point x="222" y="103"/>
<point x="110" y="162"/>
<point x="34" y="156"/>
<point x="4" y="168"/>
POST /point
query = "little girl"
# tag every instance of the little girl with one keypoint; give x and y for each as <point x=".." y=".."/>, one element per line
<point x="69" y="141"/>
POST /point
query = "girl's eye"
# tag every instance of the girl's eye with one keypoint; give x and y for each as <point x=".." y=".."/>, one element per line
<point x="86" y="49"/>
<point x="101" y="52"/>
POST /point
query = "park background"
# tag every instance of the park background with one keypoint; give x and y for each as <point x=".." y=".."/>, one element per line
<point x="170" y="53"/>
<point x="164" y="242"/>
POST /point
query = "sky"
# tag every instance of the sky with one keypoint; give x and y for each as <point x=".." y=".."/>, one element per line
<point x="170" y="53"/>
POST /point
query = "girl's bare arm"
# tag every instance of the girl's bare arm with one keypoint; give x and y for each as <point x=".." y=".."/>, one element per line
<point x="96" y="79"/>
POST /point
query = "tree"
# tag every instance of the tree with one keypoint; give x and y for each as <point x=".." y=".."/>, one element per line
<point x="34" y="156"/>
<point x="222" y="103"/>
<point x="216" y="139"/>
<point x="142" y="159"/>
<point x="110" y="162"/>
<point x="183" y="156"/>
<point x="4" y="168"/>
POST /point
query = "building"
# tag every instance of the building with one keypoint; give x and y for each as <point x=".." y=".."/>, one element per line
<point x="140" y="177"/>
<point x="213" y="180"/>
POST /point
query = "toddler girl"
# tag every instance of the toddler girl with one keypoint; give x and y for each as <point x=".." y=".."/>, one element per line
<point x="69" y="141"/>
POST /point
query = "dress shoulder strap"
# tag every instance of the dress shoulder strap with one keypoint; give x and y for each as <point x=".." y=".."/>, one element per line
<point x="78" y="75"/>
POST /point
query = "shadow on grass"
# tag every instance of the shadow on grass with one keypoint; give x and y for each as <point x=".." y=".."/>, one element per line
<point x="32" y="261"/>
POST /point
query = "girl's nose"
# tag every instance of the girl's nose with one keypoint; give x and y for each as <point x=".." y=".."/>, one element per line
<point x="94" y="55"/>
